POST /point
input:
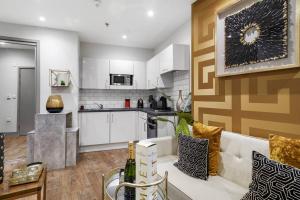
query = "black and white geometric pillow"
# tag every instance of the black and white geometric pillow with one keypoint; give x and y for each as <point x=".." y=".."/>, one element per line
<point x="193" y="156"/>
<point x="272" y="180"/>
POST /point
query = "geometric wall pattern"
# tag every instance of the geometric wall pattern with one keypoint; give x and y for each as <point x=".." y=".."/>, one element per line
<point x="254" y="104"/>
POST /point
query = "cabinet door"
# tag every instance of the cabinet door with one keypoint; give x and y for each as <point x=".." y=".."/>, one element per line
<point x="94" y="128"/>
<point x="142" y="128"/>
<point x="139" y="77"/>
<point x="89" y="73"/>
<point x="152" y="72"/>
<point x="166" y="60"/>
<point x="102" y="74"/>
<point x="165" y="128"/>
<point x="123" y="127"/>
<point x="121" y="67"/>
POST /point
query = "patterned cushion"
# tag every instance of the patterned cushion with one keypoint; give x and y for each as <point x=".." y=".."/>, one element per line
<point x="193" y="156"/>
<point x="213" y="134"/>
<point x="285" y="150"/>
<point x="272" y="180"/>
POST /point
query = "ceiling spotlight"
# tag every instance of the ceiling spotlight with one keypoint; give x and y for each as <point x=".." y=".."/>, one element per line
<point x="150" y="13"/>
<point x="124" y="37"/>
<point x="42" y="19"/>
<point x="97" y="3"/>
<point x="2" y="43"/>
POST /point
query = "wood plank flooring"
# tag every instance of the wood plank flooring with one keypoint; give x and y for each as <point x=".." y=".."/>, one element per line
<point x="82" y="182"/>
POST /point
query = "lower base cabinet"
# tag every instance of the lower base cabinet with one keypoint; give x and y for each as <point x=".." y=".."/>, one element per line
<point x="94" y="128"/>
<point x="123" y="127"/>
<point x="165" y="128"/>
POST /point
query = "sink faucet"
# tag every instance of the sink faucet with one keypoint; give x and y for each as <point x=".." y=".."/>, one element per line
<point x="100" y="106"/>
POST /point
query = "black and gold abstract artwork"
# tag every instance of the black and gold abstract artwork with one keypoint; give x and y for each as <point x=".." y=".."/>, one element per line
<point x="256" y="34"/>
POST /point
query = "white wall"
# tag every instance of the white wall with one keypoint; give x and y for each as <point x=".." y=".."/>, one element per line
<point x="10" y="60"/>
<point x="103" y="51"/>
<point x="58" y="50"/>
<point x="182" y="79"/>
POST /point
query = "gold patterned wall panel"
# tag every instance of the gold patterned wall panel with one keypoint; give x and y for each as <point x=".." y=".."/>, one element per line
<point x="255" y="104"/>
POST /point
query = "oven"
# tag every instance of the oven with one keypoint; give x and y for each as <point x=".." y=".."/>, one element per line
<point x="151" y="127"/>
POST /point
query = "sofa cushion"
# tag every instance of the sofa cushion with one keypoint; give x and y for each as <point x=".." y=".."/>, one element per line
<point x="193" y="156"/>
<point x="213" y="134"/>
<point x="215" y="188"/>
<point x="285" y="150"/>
<point x="236" y="156"/>
<point x="272" y="180"/>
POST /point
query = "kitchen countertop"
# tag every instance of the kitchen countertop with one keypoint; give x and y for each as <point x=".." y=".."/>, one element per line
<point x="146" y="110"/>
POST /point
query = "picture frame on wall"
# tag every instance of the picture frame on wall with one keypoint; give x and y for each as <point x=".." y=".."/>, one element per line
<point x="258" y="36"/>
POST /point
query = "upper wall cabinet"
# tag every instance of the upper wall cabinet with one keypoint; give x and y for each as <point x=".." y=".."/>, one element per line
<point x="175" y="57"/>
<point x="95" y="74"/>
<point x="121" y="67"/>
<point x="139" y="77"/>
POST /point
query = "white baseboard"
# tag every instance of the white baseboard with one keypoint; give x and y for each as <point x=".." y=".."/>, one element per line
<point x="103" y="147"/>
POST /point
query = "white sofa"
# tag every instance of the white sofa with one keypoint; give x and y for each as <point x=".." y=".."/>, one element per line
<point x="235" y="169"/>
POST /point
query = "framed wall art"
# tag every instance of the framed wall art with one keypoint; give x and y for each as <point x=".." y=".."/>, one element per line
<point x="259" y="35"/>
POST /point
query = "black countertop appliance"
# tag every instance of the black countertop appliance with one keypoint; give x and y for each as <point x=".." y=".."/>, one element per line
<point x="140" y="103"/>
<point x="162" y="103"/>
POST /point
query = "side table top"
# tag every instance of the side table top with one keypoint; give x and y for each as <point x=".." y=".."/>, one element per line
<point x="7" y="191"/>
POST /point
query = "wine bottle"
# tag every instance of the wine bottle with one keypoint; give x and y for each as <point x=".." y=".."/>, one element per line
<point x="129" y="173"/>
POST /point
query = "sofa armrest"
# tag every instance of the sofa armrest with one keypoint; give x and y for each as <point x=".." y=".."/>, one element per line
<point x="165" y="145"/>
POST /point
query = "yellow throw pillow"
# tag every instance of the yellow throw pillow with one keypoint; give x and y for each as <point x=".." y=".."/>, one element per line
<point x="213" y="134"/>
<point x="285" y="150"/>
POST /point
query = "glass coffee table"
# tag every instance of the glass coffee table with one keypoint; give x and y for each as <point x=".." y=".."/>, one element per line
<point x="113" y="189"/>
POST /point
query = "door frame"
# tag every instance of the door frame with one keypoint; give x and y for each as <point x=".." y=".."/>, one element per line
<point x="36" y="44"/>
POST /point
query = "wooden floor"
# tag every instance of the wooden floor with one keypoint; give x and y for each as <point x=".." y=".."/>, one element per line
<point x="82" y="182"/>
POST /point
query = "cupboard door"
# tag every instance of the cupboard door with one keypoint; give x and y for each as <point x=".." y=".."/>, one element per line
<point x="152" y="72"/>
<point x="89" y="73"/>
<point x="139" y="78"/>
<point x="102" y="74"/>
<point x="94" y="128"/>
<point x="121" y="67"/>
<point x="166" y="60"/>
<point x="123" y="127"/>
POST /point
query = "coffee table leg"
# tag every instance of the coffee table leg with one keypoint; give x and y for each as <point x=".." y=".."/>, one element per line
<point x="39" y="194"/>
<point x="45" y="187"/>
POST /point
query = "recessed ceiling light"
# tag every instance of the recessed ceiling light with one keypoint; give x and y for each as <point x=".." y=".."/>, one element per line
<point x="2" y="43"/>
<point x="150" y="13"/>
<point x="42" y="19"/>
<point x="124" y="37"/>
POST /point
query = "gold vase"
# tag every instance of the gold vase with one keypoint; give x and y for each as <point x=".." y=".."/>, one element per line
<point x="54" y="104"/>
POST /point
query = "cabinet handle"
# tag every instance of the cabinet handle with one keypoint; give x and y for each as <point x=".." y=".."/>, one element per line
<point x="107" y="118"/>
<point x="144" y="127"/>
<point x="112" y="118"/>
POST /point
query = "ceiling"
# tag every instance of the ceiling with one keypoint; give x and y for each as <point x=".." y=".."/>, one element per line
<point x="126" y="17"/>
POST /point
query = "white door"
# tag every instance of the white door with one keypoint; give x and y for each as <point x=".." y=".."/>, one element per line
<point x="89" y="73"/>
<point x="102" y="74"/>
<point x="121" y="67"/>
<point x="94" y="128"/>
<point x="123" y="127"/>
<point x="139" y="77"/>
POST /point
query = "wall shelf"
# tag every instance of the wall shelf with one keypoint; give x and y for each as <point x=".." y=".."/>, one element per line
<point x="59" y="78"/>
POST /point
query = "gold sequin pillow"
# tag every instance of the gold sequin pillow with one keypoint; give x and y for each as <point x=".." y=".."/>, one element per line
<point x="285" y="150"/>
<point x="213" y="134"/>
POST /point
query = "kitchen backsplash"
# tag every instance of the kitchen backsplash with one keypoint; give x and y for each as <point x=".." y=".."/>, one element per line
<point x="115" y="98"/>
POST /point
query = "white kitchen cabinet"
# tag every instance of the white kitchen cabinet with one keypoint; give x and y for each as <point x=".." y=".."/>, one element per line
<point x="154" y="79"/>
<point x="121" y="67"/>
<point x="175" y="57"/>
<point x="142" y="126"/>
<point x="139" y="77"/>
<point x="123" y="127"/>
<point x="95" y="73"/>
<point x="165" y="128"/>
<point x="94" y="128"/>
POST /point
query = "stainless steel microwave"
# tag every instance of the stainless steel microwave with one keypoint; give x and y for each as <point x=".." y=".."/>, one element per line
<point x="121" y="79"/>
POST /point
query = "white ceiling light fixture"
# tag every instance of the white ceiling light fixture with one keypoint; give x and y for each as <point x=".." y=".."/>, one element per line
<point x="124" y="37"/>
<point x="2" y="43"/>
<point x="42" y="18"/>
<point x="150" y="13"/>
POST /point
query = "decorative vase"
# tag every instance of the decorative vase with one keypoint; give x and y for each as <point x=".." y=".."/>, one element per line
<point x="54" y="104"/>
<point x="179" y="101"/>
<point x="1" y="157"/>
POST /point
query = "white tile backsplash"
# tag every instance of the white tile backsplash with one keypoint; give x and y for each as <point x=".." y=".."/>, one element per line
<point x="116" y="98"/>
